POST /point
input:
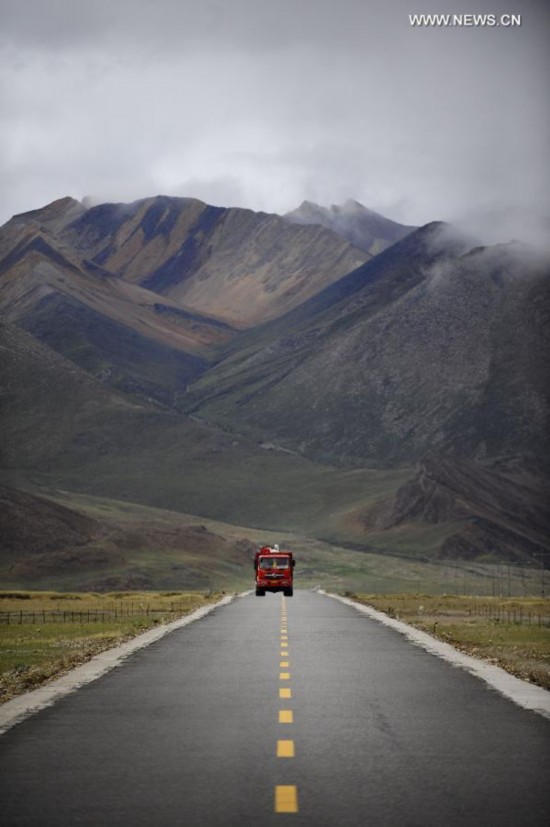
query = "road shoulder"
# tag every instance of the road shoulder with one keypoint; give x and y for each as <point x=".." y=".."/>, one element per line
<point x="522" y="693"/>
<point x="23" y="706"/>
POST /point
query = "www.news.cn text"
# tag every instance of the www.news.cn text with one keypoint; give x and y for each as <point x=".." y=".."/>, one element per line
<point x="465" y="20"/>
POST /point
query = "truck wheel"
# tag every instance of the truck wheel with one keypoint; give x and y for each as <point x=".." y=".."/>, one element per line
<point x="288" y="592"/>
<point x="260" y="592"/>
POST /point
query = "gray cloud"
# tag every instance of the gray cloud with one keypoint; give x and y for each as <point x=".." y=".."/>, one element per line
<point x="261" y="104"/>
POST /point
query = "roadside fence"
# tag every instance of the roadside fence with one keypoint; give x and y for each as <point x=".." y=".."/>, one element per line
<point x="501" y="614"/>
<point x="87" y="616"/>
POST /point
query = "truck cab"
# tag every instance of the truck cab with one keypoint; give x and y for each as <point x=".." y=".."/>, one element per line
<point x="274" y="571"/>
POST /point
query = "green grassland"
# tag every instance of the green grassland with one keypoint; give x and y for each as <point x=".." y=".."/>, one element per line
<point x="33" y="651"/>
<point x="233" y="483"/>
<point x="513" y="633"/>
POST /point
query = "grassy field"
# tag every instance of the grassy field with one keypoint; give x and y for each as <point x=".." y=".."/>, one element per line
<point x="76" y="627"/>
<point x="513" y="633"/>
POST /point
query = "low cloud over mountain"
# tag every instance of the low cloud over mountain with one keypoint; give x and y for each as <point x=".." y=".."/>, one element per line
<point x="362" y="227"/>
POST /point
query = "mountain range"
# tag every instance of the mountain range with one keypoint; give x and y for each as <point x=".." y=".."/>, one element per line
<point x="431" y="346"/>
<point x="327" y="371"/>
<point x="362" y="227"/>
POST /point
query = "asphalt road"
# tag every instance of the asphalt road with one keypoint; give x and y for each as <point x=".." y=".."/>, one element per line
<point x="374" y="731"/>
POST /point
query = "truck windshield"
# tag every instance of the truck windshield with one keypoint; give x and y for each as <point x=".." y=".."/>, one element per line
<point x="273" y="562"/>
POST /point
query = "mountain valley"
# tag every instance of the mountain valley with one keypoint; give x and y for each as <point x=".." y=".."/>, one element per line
<point x="328" y="373"/>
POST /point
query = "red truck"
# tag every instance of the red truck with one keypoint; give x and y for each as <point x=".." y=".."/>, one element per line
<point x="274" y="571"/>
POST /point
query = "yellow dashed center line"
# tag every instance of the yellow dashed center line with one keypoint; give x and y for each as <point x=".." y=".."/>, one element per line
<point x="285" y="749"/>
<point x="286" y="799"/>
<point x="286" y="796"/>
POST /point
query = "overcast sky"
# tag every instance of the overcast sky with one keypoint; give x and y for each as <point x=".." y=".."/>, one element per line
<point x="265" y="103"/>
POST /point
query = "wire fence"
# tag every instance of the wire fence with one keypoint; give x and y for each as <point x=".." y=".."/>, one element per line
<point x="502" y="614"/>
<point x="87" y="616"/>
<point x="493" y="580"/>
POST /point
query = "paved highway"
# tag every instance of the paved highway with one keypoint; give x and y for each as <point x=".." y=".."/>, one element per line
<point x="270" y="711"/>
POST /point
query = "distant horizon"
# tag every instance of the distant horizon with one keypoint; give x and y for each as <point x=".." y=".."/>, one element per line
<point x="497" y="226"/>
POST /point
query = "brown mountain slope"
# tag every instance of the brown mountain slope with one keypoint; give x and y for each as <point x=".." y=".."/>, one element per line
<point x="237" y="264"/>
<point x="49" y="220"/>
<point x="45" y="543"/>
<point x="30" y="524"/>
<point x="498" y="510"/>
<point x="129" y="337"/>
<point x="39" y="264"/>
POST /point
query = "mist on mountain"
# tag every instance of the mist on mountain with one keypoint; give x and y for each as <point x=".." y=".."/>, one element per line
<point x="498" y="226"/>
<point x="362" y="227"/>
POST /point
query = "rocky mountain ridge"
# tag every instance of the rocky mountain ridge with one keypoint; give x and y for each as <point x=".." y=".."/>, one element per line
<point x="131" y="291"/>
<point x="498" y="509"/>
<point x="243" y="266"/>
<point x="365" y="229"/>
<point x="433" y="345"/>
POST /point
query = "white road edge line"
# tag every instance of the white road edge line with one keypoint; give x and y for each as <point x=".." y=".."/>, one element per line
<point x="23" y="706"/>
<point x="523" y="693"/>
